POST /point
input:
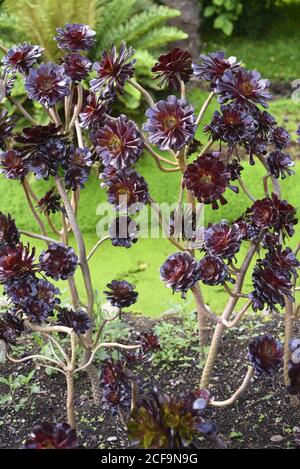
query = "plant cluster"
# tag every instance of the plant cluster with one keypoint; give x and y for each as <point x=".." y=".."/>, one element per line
<point x="84" y="133"/>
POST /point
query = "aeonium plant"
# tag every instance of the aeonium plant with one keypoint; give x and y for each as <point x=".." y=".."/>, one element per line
<point x="83" y="132"/>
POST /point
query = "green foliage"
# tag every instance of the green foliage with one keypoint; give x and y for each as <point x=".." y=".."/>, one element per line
<point x="14" y="384"/>
<point x="225" y="13"/>
<point x="142" y="24"/>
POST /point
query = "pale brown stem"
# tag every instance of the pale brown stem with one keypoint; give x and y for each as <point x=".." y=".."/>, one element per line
<point x="81" y="246"/>
<point x="143" y="92"/>
<point x="31" y="206"/>
<point x="134" y="394"/>
<point x="106" y="345"/>
<point x="237" y="393"/>
<point x="22" y="110"/>
<point x="70" y="399"/>
<point x="239" y="316"/>
<point x="204" y="108"/>
<point x="206" y="147"/>
<point x="213" y="350"/>
<point x="245" y="189"/>
<point x="94" y="249"/>
<point x="201" y="308"/>
<point x="164" y="226"/>
<point x="156" y="156"/>
<point x="288" y="333"/>
<point x="101" y="328"/>
<point x="47" y="240"/>
<point x="78" y="106"/>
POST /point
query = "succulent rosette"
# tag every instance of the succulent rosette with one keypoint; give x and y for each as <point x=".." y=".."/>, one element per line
<point x="234" y="124"/>
<point x="47" y="84"/>
<point x="265" y="354"/>
<point x="280" y="164"/>
<point x="180" y="272"/>
<point x="43" y="303"/>
<point x="7" y="124"/>
<point x="76" y="66"/>
<point x="121" y="293"/>
<point x="116" y="385"/>
<point x="47" y="435"/>
<point x="263" y="213"/>
<point x="13" y="165"/>
<point x="118" y="143"/>
<point x="223" y="240"/>
<point x="243" y="86"/>
<point x="213" y="270"/>
<point x="173" y="67"/>
<point x="95" y="111"/>
<point x="208" y="178"/>
<point x="123" y="231"/>
<point x="9" y="233"/>
<point x="271" y="286"/>
<point x="11" y="328"/>
<point x="280" y="137"/>
<point x="50" y="202"/>
<point x="163" y="422"/>
<point x="58" y="261"/>
<point x="75" y="36"/>
<point x="126" y="189"/>
<point x="78" y="320"/>
<point x="171" y="124"/>
<point x="77" y="166"/>
<point x="213" y="66"/>
<point x="7" y="82"/>
<point x="22" y="57"/>
<point x="16" y="262"/>
<point x="114" y="69"/>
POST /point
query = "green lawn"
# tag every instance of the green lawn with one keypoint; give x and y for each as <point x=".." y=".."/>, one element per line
<point x="141" y="263"/>
<point x="275" y="53"/>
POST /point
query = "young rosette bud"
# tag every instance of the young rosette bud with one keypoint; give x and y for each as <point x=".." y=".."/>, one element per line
<point x="163" y="422"/>
<point x="171" y="124"/>
<point x="58" y="261"/>
<point x="123" y="232"/>
<point x="213" y="66"/>
<point x="11" y="327"/>
<point x="207" y="178"/>
<point x="280" y="137"/>
<point x="180" y="272"/>
<point x="22" y="57"/>
<point x="173" y="67"/>
<point x="121" y="293"/>
<point x="50" y="202"/>
<point x="280" y="164"/>
<point x="114" y="69"/>
<point x="9" y="233"/>
<point x="77" y="167"/>
<point x="74" y="37"/>
<point x="223" y="240"/>
<point x="47" y="435"/>
<point x="48" y="84"/>
<point x="265" y="354"/>
<point x="16" y="262"/>
<point x="213" y="270"/>
<point x="118" y="143"/>
<point x="116" y="386"/>
<point x="78" y="320"/>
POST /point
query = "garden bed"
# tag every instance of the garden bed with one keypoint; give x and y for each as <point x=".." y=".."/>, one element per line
<point x="261" y="418"/>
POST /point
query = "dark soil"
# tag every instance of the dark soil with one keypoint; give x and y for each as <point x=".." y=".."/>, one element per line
<point x="262" y="417"/>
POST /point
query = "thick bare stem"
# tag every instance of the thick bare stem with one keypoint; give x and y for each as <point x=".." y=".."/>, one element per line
<point x="94" y="249"/>
<point x="237" y="393"/>
<point x="70" y="399"/>
<point x="213" y="350"/>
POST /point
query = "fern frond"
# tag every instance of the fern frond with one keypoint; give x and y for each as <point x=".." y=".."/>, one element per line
<point x="144" y="62"/>
<point x="159" y="37"/>
<point x="138" y="25"/>
<point x="112" y="13"/>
